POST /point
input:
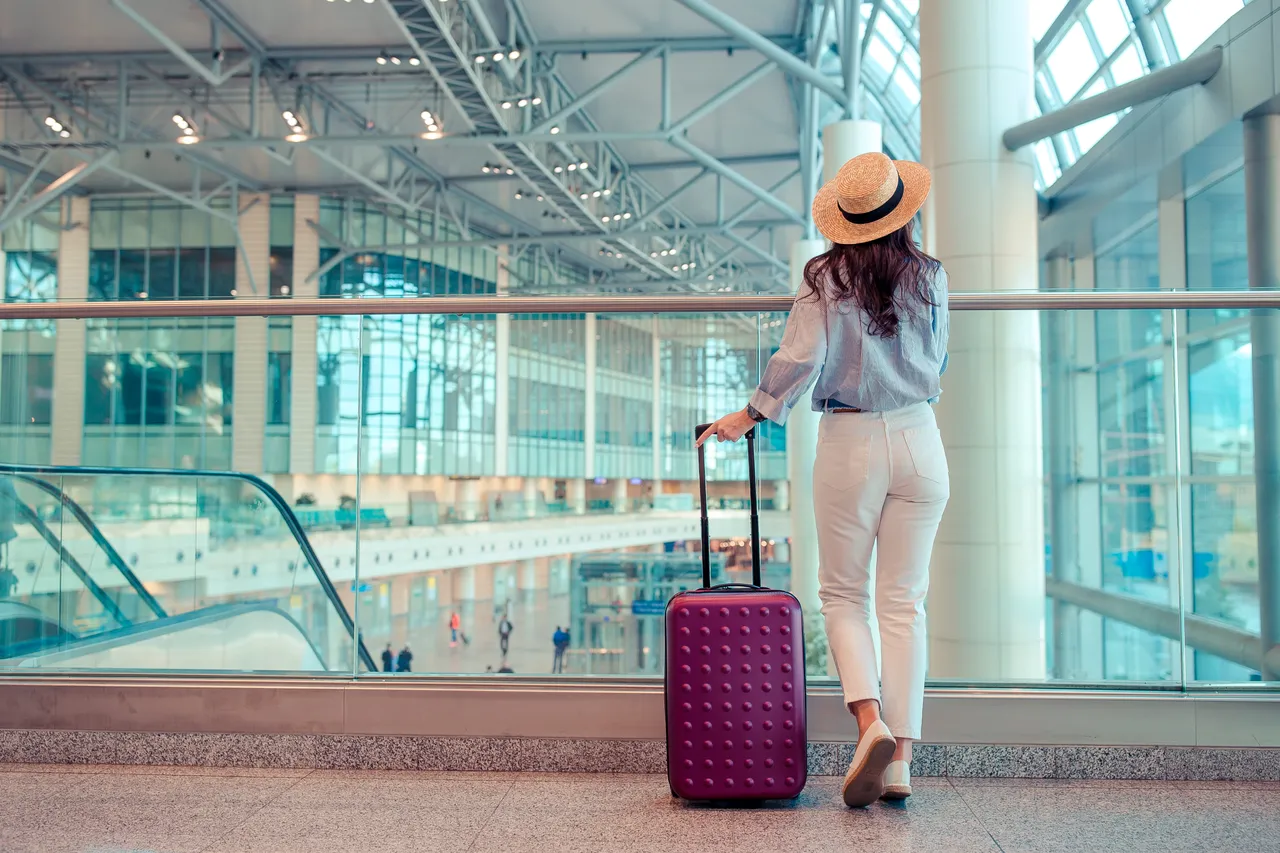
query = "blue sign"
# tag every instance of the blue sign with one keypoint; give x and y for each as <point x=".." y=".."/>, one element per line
<point x="363" y="587"/>
<point x="643" y="607"/>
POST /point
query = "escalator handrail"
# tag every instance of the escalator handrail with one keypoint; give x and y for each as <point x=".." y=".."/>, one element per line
<point x="131" y="633"/>
<point x="286" y="512"/>
<point x="65" y="556"/>
<point x="95" y="533"/>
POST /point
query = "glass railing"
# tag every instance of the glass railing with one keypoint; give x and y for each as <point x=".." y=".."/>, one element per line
<point x="111" y="569"/>
<point x="535" y="469"/>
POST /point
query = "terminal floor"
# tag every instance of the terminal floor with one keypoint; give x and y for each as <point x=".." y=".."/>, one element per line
<point x="50" y="809"/>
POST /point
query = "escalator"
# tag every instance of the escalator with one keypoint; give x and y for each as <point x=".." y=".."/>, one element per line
<point x="113" y="569"/>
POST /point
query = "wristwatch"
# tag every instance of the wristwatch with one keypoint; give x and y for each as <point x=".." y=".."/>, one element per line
<point x="755" y="415"/>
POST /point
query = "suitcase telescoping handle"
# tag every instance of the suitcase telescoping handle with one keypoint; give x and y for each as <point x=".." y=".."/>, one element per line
<point x="755" y="511"/>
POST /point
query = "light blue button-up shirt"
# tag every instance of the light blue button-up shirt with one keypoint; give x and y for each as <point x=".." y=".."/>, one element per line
<point x="828" y="340"/>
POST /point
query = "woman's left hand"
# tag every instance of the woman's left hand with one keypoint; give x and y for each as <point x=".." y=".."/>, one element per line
<point x="729" y="428"/>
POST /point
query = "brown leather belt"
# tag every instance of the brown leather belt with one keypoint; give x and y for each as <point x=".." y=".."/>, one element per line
<point x="844" y="411"/>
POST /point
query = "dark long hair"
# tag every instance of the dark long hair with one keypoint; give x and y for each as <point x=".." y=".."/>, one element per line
<point x="882" y="277"/>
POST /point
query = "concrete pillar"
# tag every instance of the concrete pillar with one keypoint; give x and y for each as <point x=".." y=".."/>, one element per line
<point x="302" y="400"/>
<point x="589" y="416"/>
<point x="782" y="495"/>
<point x="1262" y="209"/>
<point x="464" y="584"/>
<point x="67" y="427"/>
<point x="576" y="495"/>
<point x="621" y="501"/>
<point x="656" y="417"/>
<point x="467" y="507"/>
<point x="986" y="601"/>
<point x="249" y="406"/>
<point x="802" y="450"/>
<point x="529" y="496"/>
<point x="527" y="576"/>
<point x="502" y="374"/>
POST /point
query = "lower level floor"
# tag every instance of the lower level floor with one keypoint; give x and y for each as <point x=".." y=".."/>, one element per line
<point x="55" y="808"/>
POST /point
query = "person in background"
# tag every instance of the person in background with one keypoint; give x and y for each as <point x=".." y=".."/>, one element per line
<point x="455" y="625"/>
<point x="404" y="661"/>
<point x="504" y="636"/>
<point x="870" y="326"/>
<point x="388" y="659"/>
<point x="560" y="642"/>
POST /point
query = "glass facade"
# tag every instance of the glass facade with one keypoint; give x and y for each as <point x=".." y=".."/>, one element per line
<point x="30" y="262"/>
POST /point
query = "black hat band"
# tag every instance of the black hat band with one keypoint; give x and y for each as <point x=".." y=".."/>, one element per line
<point x="880" y="212"/>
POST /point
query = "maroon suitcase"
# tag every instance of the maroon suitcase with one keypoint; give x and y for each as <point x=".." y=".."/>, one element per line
<point x="735" y="686"/>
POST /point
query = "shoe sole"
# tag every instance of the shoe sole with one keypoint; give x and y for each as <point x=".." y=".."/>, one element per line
<point x="864" y="785"/>
<point x="896" y="792"/>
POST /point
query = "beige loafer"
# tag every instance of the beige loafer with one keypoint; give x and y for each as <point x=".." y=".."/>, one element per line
<point x="897" y="781"/>
<point x="864" y="783"/>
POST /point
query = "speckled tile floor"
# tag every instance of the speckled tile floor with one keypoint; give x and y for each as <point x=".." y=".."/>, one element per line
<point x="59" y="809"/>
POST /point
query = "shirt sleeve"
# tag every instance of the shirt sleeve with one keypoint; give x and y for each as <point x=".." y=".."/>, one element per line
<point x="943" y="331"/>
<point x="797" y="363"/>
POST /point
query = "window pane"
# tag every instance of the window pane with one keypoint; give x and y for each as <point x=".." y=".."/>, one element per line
<point x="1127" y="66"/>
<point x="1043" y="13"/>
<point x="1072" y="62"/>
<point x="1088" y="134"/>
<point x="1193" y="21"/>
<point x="1046" y="161"/>
<point x="1110" y="24"/>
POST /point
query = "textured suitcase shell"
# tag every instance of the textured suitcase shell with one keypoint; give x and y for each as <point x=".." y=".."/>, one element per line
<point x="735" y="695"/>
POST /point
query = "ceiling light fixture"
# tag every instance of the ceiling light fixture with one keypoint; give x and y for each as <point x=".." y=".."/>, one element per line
<point x="558" y="169"/>
<point x="572" y="167"/>
<point x="514" y="53"/>
<point x="584" y="164"/>
<point x="381" y="60"/>
<point x="555" y="130"/>
<point x="596" y="194"/>
<point x="413" y="60"/>
<point x="480" y="60"/>
<point x="536" y="100"/>
<point x="626" y="215"/>
<point x="506" y="105"/>
<point x="499" y="56"/>
<point x="395" y="60"/>
<point x="523" y="102"/>
<point x="607" y="192"/>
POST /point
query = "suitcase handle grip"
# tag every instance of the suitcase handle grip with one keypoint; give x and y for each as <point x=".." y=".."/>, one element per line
<point x="746" y="587"/>
<point x="750" y="435"/>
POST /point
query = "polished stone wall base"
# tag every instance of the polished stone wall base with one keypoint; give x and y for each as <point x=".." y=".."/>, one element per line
<point x="377" y="752"/>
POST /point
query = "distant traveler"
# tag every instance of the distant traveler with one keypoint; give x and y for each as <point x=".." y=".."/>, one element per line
<point x="404" y="661"/>
<point x="870" y="325"/>
<point x="560" y="642"/>
<point x="388" y="659"/>
<point x="455" y="625"/>
<point x="8" y="582"/>
<point x="504" y="636"/>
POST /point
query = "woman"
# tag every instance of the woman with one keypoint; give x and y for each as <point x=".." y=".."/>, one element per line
<point x="870" y="325"/>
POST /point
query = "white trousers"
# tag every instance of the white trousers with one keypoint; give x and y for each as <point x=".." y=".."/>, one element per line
<point x="880" y="481"/>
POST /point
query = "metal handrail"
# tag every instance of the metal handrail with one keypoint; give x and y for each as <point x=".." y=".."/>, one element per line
<point x="668" y="303"/>
<point x="267" y="491"/>
<point x="95" y="533"/>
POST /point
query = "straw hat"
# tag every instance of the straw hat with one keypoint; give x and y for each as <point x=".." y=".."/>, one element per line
<point x="871" y="196"/>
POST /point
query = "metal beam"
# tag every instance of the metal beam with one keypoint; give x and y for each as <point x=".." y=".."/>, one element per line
<point x="595" y="91"/>
<point x="707" y="44"/>
<point x="1157" y="84"/>
<point x="787" y="61"/>
<point x="725" y="95"/>
<point x="851" y="57"/>
<point x="738" y="178"/>
<point x="1057" y="29"/>
<point x="671" y="197"/>
<point x="1207" y="635"/>
<point x="212" y="78"/>
<point x="573" y="236"/>
<point x="18" y="194"/>
<point x="55" y="190"/>
<point x="747" y="160"/>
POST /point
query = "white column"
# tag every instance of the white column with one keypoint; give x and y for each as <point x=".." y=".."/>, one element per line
<point x="468" y="502"/>
<point x="527" y="575"/>
<point x="249" y="424"/>
<point x="782" y="495"/>
<point x="576" y="495"/>
<point x="657" y="407"/>
<point x="620" y="499"/>
<point x="302" y="395"/>
<point x="529" y="496"/>
<point x="802" y="450"/>
<point x="502" y="382"/>
<point x="67" y="417"/>
<point x="464" y="584"/>
<point x="986" y="602"/>
<point x="589" y="418"/>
